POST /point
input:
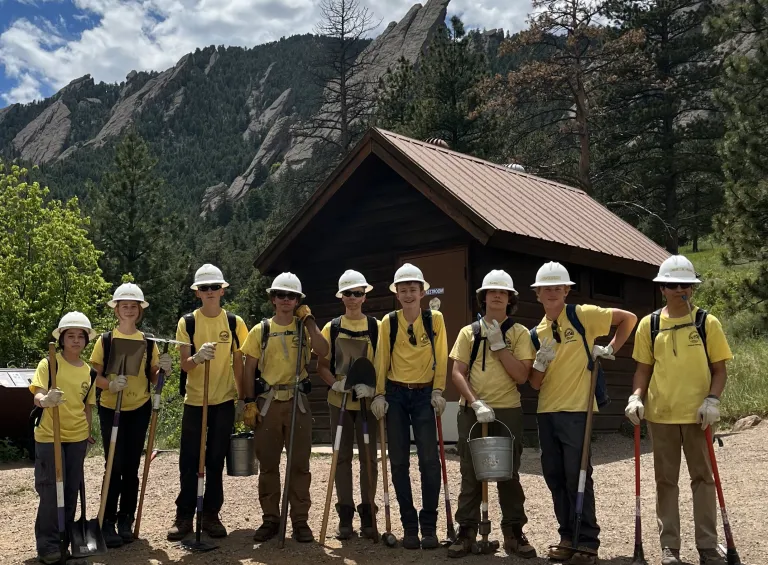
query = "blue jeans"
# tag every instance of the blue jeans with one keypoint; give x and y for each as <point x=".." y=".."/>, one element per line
<point x="412" y="407"/>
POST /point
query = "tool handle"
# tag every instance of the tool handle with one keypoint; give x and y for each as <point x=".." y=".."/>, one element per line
<point x="484" y="505"/>
<point x="332" y="475"/>
<point x="448" y="513"/>
<point x="383" y="443"/>
<point x="719" y="487"/>
<point x="369" y="467"/>
<point x="145" y="477"/>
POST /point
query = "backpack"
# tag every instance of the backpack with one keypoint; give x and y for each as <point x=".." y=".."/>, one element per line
<point x="699" y="322"/>
<point x="37" y="412"/>
<point x="189" y="323"/>
<point x="260" y="385"/>
<point x="478" y="339"/>
<point x="426" y="319"/>
<point x="372" y="333"/>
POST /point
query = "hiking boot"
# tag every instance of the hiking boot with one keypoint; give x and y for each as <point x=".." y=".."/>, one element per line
<point x="346" y="513"/>
<point x="125" y="528"/>
<point x="429" y="541"/>
<point x="560" y="552"/>
<point x="670" y="556"/>
<point x="51" y="558"/>
<point x="111" y="539"/>
<point x="710" y="557"/>
<point x="212" y="525"/>
<point x="181" y="527"/>
<point x="366" y="521"/>
<point x="516" y="543"/>
<point x="266" y="532"/>
<point x="302" y="533"/>
<point x="411" y="541"/>
<point x="464" y="540"/>
<point x="582" y="558"/>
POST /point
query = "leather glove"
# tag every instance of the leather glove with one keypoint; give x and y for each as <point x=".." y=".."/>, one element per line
<point x="54" y="397"/>
<point x="303" y="312"/>
<point x="251" y="415"/>
<point x="483" y="412"/>
<point x="118" y="384"/>
<point x="379" y="406"/>
<point x="604" y="352"/>
<point x="545" y="354"/>
<point x="438" y="402"/>
<point x="494" y="336"/>
<point x="239" y="409"/>
<point x="165" y="363"/>
<point x="635" y="409"/>
<point x="206" y="353"/>
<point x="338" y="386"/>
<point x="364" y="391"/>
<point x="709" y="412"/>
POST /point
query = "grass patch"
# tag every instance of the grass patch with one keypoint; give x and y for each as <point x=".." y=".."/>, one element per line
<point x="747" y="389"/>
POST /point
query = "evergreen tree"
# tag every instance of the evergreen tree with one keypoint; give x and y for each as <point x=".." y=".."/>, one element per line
<point x="395" y="96"/>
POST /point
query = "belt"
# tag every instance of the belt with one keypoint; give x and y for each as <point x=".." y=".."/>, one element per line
<point x="411" y="385"/>
<point x="270" y="397"/>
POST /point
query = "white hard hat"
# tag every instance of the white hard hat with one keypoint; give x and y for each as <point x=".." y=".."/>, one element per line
<point x="128" y="291"/>
<point x="408" y="273"/>
<point x="677" y="269"/>
<point x="74" y="320"/>
<point x="209" y="274"/>
<point x="352" y="279"/>
<point x="287" y="282"/>
<point x="552" y="274"/>
<point x="497" y="280"/>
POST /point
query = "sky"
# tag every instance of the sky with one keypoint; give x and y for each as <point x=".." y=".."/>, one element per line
<point x="45" y="44"/>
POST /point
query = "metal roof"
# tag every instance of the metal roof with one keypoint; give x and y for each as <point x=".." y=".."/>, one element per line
<point x="527" y="205"/>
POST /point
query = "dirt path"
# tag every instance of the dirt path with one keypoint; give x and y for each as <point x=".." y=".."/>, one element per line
<point x="743" y="465"/>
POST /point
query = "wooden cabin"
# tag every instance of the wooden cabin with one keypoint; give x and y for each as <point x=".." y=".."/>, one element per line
<point x="394" y="200"/>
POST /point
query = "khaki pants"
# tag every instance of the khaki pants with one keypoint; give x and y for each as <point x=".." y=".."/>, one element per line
<point x="352" y="429"/>
<point x="668" y="439"/>
<point x="270" y="436"/>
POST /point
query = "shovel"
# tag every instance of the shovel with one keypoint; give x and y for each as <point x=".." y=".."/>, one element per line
<point x="85" y="534"/>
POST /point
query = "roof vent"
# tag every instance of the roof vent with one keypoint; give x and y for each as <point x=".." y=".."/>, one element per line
<point x="515" y="167"/>
<point x="437" y="141"/>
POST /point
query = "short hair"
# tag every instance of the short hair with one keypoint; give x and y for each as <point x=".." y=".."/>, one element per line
<point x="511" y="307"/>
<point x="61" y="337"/>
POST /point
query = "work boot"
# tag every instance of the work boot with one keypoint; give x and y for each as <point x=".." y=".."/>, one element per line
<point x="111" y="539"/>
<point x="710" y="557"/>
<point x="464" y="540"/>
<point x="429" y="540"/>
<point x="125" y="528"/>
<point x="581" y="558"/>
<point x="266" y="532"/>
<point x="302" y="533"/>
<point x="212" y="525"/>
<point x="516" y="543"/>
<point x="366" y="521"/>
<point x="559" y="552"/>
<point x="346" y="513"/>
<point x="51" y="558"/>
<point x="182" y="526"/>
<point x="411" y="540"/>
<point x="670" y="556"/>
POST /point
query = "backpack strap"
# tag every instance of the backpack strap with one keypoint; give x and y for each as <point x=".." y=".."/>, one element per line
<point x="189" y="325"/>
<point x="655" y="327"/>
<point x="232" y="321"/>
<point x="476" y="340"/>
<point x="392" y="332"/>
<point x="335" y="328"/>
<point x="701" y="327"/>
<point x="535" y="338"/>
<point x="373" y="332"/>
<point x="426" y="319"/>
<point x="264" y="342"/>
<point x="573" y="318"/>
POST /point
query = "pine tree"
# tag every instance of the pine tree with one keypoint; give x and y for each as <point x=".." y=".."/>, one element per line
<point x="395" y="98"/>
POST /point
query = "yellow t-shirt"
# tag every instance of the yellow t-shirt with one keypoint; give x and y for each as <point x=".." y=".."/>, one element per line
<point x="334" y="397"/>
<point x="73" y="382"/>
<point x="494" y="385"/>
<point x="566" y="381"/>
<point x="680" y="382"/>
<point x="412" y="363"/>
<point x="136" y="394"/>
<point x="279" y="364"/>
<point x="221" y="383"/>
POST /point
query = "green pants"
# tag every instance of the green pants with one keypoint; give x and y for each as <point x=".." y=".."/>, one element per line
<point x="511" y="496"/>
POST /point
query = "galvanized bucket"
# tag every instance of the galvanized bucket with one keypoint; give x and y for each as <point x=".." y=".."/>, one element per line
<point x="492" y="457"/>
<point x="241" y="459"/>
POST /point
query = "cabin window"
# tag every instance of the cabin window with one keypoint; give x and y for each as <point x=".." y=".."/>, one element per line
<point x="606" y="283"/>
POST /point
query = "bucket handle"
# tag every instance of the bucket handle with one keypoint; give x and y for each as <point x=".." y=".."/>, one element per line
<point x="469" y="436"/>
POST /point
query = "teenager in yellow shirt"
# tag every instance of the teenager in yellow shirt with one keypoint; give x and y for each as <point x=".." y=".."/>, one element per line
<point x="354" y="327"/>
<point x="75" y="396"/>
<point x="681" y="376"/>
<point x="488" y="387"/>
<point x="562" y="376"/>
<point x="410" y="380"/>
<point x="135" y="410"/>
<point x="268" y="409"/>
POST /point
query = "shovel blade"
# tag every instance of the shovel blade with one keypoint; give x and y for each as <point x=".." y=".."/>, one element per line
<point x="87" y="539"/>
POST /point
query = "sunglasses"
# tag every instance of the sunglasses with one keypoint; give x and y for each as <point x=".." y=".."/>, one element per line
<point x="288" y="295"/>
<point x="673" y="286"/>
<point x="556" y="331"/>
<point x="207" y="287"/>
<point x="411" y="335"/>
<point x="355" y="293"/>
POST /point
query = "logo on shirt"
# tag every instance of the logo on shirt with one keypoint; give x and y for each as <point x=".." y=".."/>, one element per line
<point x="84" y="389"/>
<point x="424" y="339"/>
<point x="694" y="338"/>
<point x="224" y="336"/>
<point x="569" y="334"/>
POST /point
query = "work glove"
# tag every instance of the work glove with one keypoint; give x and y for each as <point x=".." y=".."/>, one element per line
<point x="635" y="409"/>
<point x="545" y="354"/>
<point x="303" y="313"/>
<point x="495" y="336"/>
<point x="118" y="384"/>
<point x="206" y="353"/>
<point x="339" y="386"/>
<point x="379" y="406"/>
<point x="604" y="352"/>
<point x="165" y="363"/>
<point x="438" y="402"/>
<point x="709" y="412"/>
<point x="364" y="391"/>
<point x="251" y="415"/>
<point x="239" y="409"/>
<point x="54" y="397"/>
<point x="483" y="412"/>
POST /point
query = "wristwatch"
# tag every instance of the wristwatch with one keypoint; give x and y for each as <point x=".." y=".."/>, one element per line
<point x="713" y="396"/>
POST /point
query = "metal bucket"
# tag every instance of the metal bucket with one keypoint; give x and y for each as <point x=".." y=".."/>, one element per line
<point x="492" y="457"/>
<point x="241" y="459"/>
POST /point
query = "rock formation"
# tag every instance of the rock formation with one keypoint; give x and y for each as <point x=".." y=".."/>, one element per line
<point x="269" y="116"/>
<point x="43" y="139"/>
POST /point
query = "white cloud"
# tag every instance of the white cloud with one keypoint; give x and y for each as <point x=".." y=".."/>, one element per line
<point x="27" y="89"/>
<point x="154" y="34"/>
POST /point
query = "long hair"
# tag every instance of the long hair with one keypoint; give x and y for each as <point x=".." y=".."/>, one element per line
<point x="511" y="307"/>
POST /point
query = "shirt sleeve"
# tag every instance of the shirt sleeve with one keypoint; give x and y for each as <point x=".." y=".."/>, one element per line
<point x="40" y="378"/>
<point x="522" y="346"/>
<point x="382" y="357"/>
<point x="181" y="332"/>
<point x="642" y="352"/>
<point x="596" y="320"/>
<point x="461" y="349"/>
<point x="242" y="333"/>
<point x="717" y="344"/>
<point x="441" y="351"/>
<point x="326" y="331"/>
<point x="155" y="356"/>
<point x="252" y="344"/>
<point x="97" y="355"/>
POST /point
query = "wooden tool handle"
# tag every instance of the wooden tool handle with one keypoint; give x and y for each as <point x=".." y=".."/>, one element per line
<point x="204" y="433"/>
<point x="55" y="413"/>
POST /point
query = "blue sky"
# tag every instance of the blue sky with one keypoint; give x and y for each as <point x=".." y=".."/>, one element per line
<point x="44" y="44"/>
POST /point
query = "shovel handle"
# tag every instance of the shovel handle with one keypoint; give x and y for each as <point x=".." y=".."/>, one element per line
<point x="383" y="443"/>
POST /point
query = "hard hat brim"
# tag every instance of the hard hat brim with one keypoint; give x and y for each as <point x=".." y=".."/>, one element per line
<point x="560" y="283"/>
<point x="224" y="284"/>
<point x="293" y="290"/>
<point x="495" y="287"/>
<point x="676" y="280"/>
<point x="393" y="286"/>
<point x="91" y="333"/>
<point x="368" y="288"/>
<point x="113" y="303"/>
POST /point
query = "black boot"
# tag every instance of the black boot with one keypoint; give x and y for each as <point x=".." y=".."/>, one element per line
<point x="366" y="521"/>
<point x="125" y="528"/>
<point x="346" y="514"/>
<point x="111" y="539"/>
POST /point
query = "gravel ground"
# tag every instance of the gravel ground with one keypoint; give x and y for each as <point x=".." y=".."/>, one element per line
<point x="743" y="463"/>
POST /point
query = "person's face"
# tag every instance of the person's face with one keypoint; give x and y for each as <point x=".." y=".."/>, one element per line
<point x="353" y="298"/>
<point x="128" y="311"/>
<point x="74" y="341"/>
<point x="210" y="293"/>
<point x="285" y="302"/>
<point x="496" y="299"/>
<point x="552" y="296"/>
<point x="409" y="293"/>
<point x="674" y="292"/>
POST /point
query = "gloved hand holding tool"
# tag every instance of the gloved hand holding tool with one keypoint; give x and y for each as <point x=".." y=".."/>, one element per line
<point x="304" y="313"/>
<point x="207" y="352"/>
<point x="53" y="398"/>
<point x="251" y="414"/>
<point x="483" y="412"/>
<point x="364" y="391"/>
<point x="339" y="386"/>
<point x="635" y="409"/>
<point x="379" y="406"/>
<point x="606" y="352"/>
<point x="709" y="412"/>
<point x="118" y="384"/>
<point x="545" y="355"/>
<point x="438" y="402"/>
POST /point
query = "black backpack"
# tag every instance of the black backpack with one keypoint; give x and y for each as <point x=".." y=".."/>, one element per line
<point x="700" y="320"/>
<point x="189" y="323"/>
<point x="478" y="339"/>
<point x="37" y="412"/>
<point x="426" y="319"/>
<point x="372" y="333"/>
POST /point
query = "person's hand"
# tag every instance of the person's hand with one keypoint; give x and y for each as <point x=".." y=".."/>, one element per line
<point x="364" y="391"/>
<point x="604" y="352"/>
<point x="165" y="363"/>
<point x="545" y="354"/>
<point x="251" y="415"/>
<point x="239" y="409"/>
<point x="635" y="409"/>
<point x="339" y="386"/>
<point x="54" y="397"/>
<point x="118" y="384"/>
<point x="483" y="412"/>
<point x="379" y="406"/>
<point x="709" y="412"/>
<point x="91" y="443"/>
<point x="303" y="313"/>
<point x="438" y="402"/>
<point x="206" y="353"/>
<point x="494" y="336"/>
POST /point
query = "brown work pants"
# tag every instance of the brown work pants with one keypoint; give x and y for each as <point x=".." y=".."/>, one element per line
<point x="352" y="429"/>
<point x="668" y="440"/>
<point x="271" y="435"/>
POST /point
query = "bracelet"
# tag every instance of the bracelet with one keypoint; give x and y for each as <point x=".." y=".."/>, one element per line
<point x="713" y="396"/>
<point x="249" y="399"/>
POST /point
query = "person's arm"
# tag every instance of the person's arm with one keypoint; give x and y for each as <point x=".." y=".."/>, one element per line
<point x="516" y="369"/>
<point x="626" y="322"/>
<point x="237" y="369"/>
<point x="461" y="382"/>
<point x="535" y="379"/>
<point x="39" y="394"/>
<point x="382" y="357"/>
<point x="187" y="362"/>
<point x="319" y="344"/>
<point x="441" y="357"/>
<point x="641" y="379"/>
<point x="251" y="364"/>
<point x="324" y="370"/>
<point x="719" y="376"/>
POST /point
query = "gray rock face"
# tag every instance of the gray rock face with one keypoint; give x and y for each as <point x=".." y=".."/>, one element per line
<point x="269" y="116"/>
<point x="43" y="139"/>
<point x="212" y="197"/>
<point x="4" y="111"/>
<point x="178" y="98"/>
<point x="76" y="84"/>
<point x="211" y="62"/>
